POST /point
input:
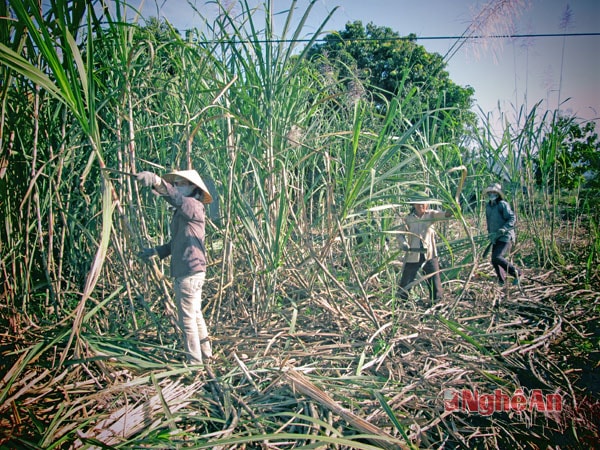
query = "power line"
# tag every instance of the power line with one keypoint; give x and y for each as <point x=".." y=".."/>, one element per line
<point x="509" y="36"/>
<point x="401" y="38"/>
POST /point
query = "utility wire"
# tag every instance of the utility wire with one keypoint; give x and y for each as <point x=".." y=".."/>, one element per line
<point x="403" y="38"/>
<point x="508" y="36"/>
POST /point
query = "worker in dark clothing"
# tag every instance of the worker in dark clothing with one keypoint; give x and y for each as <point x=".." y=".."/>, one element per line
<point x="501" y="229"/>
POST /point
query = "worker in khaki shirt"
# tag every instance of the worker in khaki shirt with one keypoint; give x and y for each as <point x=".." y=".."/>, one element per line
<point x="417" y="239"/>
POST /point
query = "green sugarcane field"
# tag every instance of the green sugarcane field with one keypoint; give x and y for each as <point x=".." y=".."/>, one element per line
<point x="255" y="237"/>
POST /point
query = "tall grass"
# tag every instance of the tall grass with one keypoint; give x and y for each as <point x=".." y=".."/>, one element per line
<point x="309" y="180"/>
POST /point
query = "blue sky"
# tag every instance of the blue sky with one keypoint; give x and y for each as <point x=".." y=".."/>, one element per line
<point x="503" y="72"/>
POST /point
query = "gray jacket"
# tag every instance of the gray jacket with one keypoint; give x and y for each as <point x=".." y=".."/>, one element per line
<point x="186" y="247"/>
<point x="500" y="220"/>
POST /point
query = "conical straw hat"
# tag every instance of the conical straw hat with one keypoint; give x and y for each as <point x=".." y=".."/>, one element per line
<point x="422" y="198"/>
<point x="495" y="188"/>
<point x="193" y="177"/>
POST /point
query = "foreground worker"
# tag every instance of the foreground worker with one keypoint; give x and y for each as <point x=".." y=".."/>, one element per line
<point x="501" y="229"/>
<point x="418" y="240"/>
<point x="187" y="193"/>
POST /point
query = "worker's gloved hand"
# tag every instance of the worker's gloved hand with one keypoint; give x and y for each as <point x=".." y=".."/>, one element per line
<point x="148" y="179"/>
<point x="502" y="232"/>
<point x="147" y="253"/>
<point x="405" y="246"/>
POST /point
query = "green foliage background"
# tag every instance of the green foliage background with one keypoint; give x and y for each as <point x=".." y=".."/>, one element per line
<point x="309" y="154"/>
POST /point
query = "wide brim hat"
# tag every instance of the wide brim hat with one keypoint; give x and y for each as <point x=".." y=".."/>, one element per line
<point x="193" y="177"/>
<point x="494" y="188"/>
<point x="421" y="198"/>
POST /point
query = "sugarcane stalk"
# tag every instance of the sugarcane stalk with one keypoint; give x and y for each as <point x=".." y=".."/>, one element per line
<point x="302" y="384"/>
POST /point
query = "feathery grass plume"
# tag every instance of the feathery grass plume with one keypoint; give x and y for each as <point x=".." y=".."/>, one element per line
<point x="327" y="72"/>
<point x="493" y="20"/>
<point x="356" y="92"/>
<point x="496" y="19"/>
<point x="295" y="136"/>
<point x="525" y="44"/>
<point x="565" y="23"/>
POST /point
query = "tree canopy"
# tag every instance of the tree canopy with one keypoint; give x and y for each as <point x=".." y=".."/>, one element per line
<point x="576" y="155"/>
<point x="390" y="65"/>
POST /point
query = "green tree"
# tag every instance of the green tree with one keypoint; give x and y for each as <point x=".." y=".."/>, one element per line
<point x="576" y="153"/>
<point x="390" y="65"/>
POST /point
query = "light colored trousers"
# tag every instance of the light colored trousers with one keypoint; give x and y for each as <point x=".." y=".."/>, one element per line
<point x="188" y="296"/>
